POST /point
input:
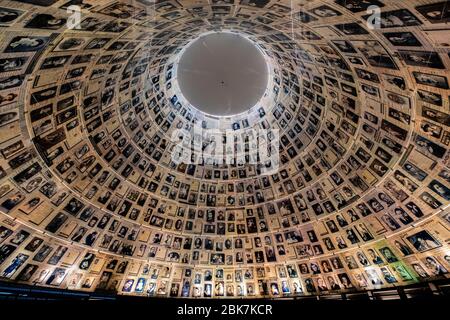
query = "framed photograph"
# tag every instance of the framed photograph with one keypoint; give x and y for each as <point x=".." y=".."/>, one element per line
<point x="13" y="64"/>
<point x="27" y="44"/>
<point x="375" y="54"/>
<point x="359" y="6"/>
<point x="9" y="15"/>
<point x="436" y="12"/>
<point x="424" y="59"/>
<point x="423" y="241"/>
<point x="397" y="19"/>
<point x="402" y="39"/>
<point x="45" y="21"/>
<point x="431" y="80"/>
<point x="42" y="3"/>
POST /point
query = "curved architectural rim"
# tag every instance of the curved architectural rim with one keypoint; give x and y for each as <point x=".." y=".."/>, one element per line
<point x="228" y="116"/>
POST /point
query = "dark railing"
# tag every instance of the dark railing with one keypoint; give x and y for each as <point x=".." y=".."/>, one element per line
<point x="428" y="290"/>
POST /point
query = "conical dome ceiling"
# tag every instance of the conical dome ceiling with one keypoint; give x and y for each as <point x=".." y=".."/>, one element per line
<point x="98" y="193"/>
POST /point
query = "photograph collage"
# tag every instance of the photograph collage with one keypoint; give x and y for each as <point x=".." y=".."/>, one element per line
<point x="92" y="200"/>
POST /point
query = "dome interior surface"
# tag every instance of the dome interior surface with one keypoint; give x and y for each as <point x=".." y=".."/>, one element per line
<point x="93" y="196"/>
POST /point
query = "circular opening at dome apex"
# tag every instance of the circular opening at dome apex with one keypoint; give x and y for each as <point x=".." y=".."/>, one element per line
<point x="222" y="74"/>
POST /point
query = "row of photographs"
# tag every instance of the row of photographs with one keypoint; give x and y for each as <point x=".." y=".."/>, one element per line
<point x="280" y="246"/>
<point x="312" y="12"/>
<point x="157" y="220"/>
<point x="55" y="264"/>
